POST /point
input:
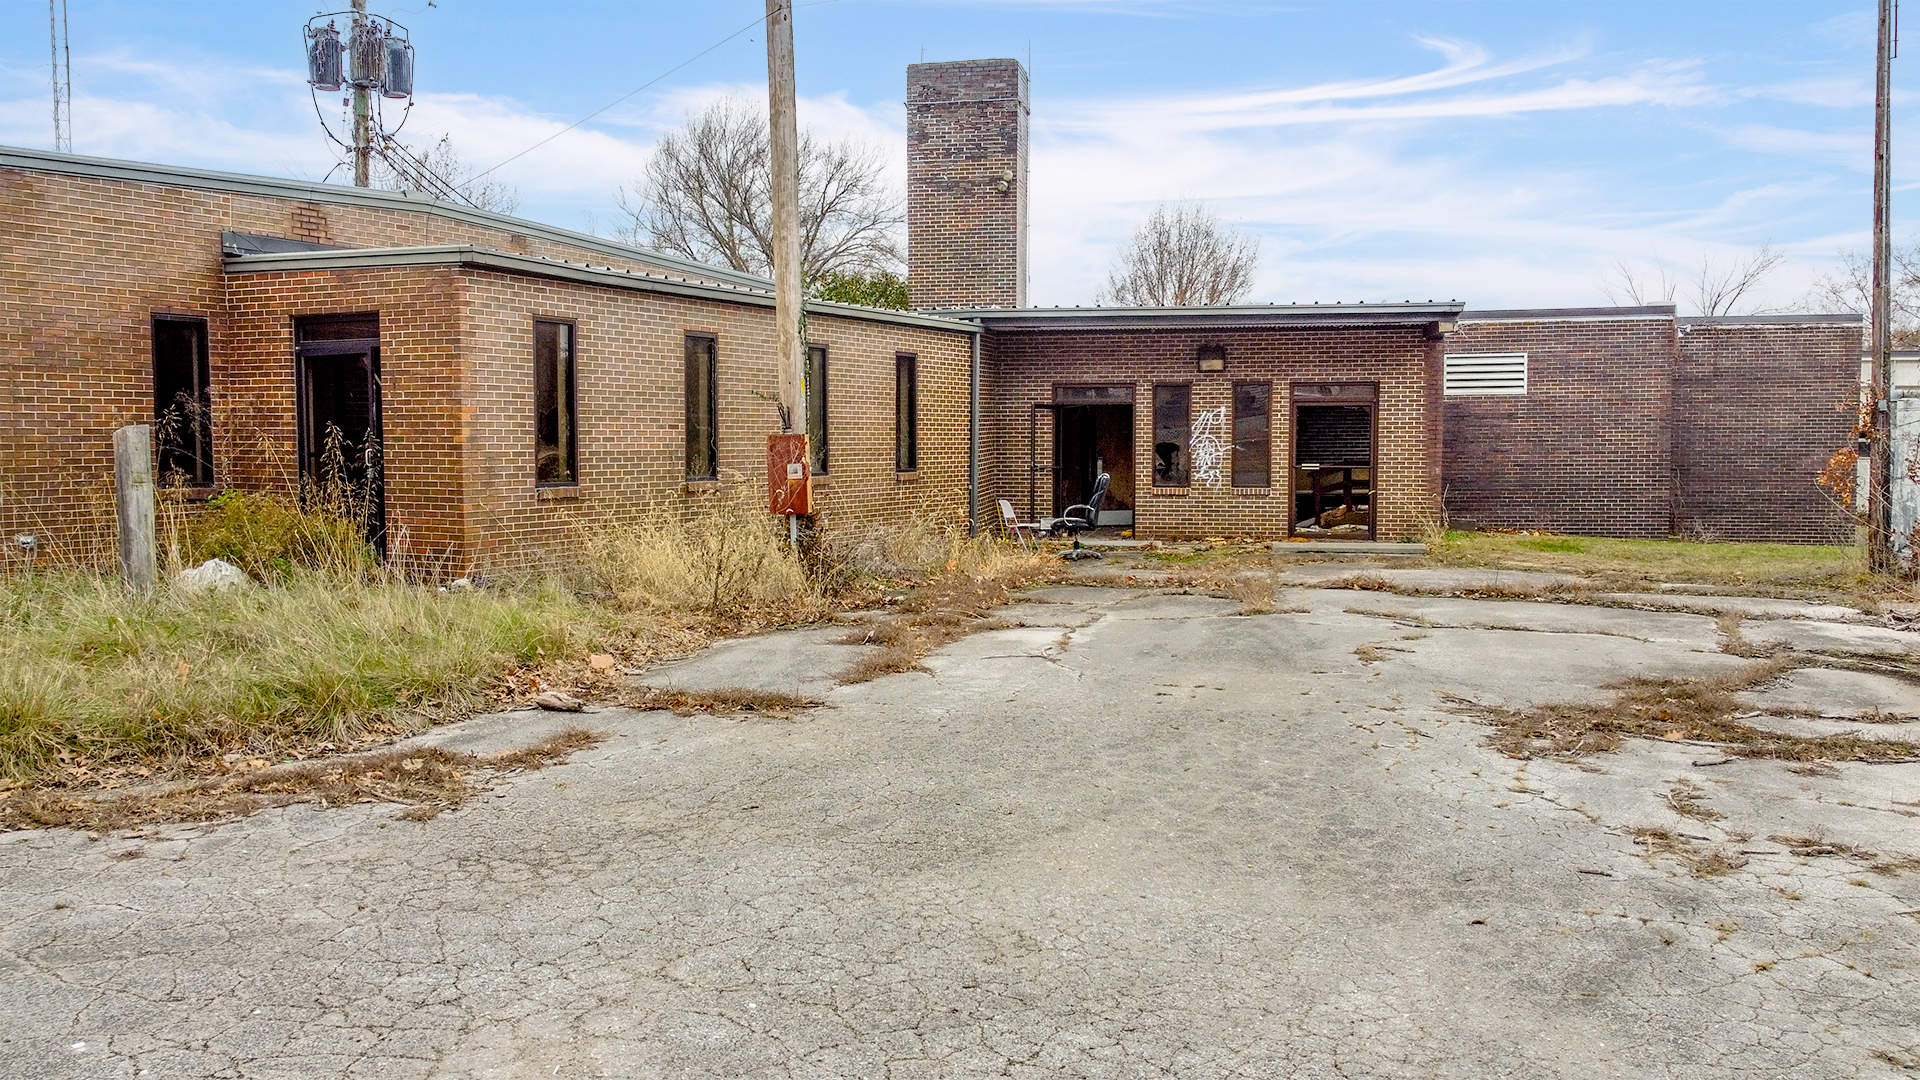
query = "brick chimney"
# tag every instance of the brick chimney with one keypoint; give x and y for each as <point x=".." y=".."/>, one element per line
<point x="967" y="184"/>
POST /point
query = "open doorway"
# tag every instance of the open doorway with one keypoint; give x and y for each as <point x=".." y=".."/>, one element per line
<point x="337" y="379"/>
<point x="1333" y="455"/>
<point x="1093" y="434"/>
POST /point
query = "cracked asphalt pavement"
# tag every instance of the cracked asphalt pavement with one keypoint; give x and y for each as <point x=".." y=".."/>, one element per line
<point x="1138" y="836"/>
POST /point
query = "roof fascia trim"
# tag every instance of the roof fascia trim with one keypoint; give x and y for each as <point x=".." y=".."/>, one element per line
<point x="44" y="161"/>
<point x="466" y="255"/>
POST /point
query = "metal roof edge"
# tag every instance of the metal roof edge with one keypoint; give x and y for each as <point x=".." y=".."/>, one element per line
<point x="468" y="255"/>
<point x="1182" y="318"/>
<point x="1848" y="318"/>
<point x="1643" y="312"/>
<point x="27" y="158"/>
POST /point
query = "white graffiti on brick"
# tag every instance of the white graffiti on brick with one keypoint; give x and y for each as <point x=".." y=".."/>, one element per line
<point x="1210" y="446"/>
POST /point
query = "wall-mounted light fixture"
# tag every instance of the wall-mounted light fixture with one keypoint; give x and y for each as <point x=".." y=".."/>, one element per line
<point x="1005" y="183"/>
<point x="1211" y="359"/>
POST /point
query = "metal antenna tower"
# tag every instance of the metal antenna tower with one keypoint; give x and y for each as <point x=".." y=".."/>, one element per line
<point x="62" y="77"/>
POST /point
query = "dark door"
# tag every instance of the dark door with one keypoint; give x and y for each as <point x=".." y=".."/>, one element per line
<point x="337" y="371"/>
<point x="1090" y="440"/>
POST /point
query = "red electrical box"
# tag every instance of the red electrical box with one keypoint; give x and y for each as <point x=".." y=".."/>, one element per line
<point x="789" y="475"/>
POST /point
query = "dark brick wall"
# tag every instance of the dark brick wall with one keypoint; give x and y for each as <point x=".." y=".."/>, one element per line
<point x="1758" y="407"/>
<point x="966" y="238"/>
<point x="1586" y="450"/>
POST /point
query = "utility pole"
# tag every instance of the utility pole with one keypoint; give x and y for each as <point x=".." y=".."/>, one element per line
<point x="789" y="312"/>
<point x="62" y="77"/>
<point x="1880" y="556"/>
<point x="362" y="97"/>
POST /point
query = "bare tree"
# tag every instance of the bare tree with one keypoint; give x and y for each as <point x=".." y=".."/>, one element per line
<point x="1850" y="289"/>
<point x="1718" y="287"/>
<point x="439" y="172"/>
<point x="1182" y="256"/>
<point x="705" y="195"/>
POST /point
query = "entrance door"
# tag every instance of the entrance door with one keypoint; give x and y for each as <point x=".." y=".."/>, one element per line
<point x="1089" y="440"/>
<point x="337" y="375"/>
<point x="1333" y="453"/>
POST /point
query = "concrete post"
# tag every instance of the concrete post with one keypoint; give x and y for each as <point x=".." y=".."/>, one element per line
<point x="133" y="502"/>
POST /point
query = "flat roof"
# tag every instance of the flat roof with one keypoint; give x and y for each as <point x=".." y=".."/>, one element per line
<point x="480" y="258"/>
<point x="1207" y="318"/>
<point x="1571" y="314"/>
<point x="46" y="161"/>
<point x="1849" y="318"/>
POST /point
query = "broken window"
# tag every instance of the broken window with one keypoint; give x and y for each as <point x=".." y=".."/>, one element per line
<point x="1252" y="432"/>
<point x="817" y="407"/>
<point x="703" y="408"/>
<point x="1171" y="429"/>
<point x="182" y="406"/>
<point x="555" y="460"/>
<point x="906" y="412"/>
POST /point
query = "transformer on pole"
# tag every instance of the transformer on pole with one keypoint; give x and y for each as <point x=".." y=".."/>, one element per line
<point x="374" y="63"/>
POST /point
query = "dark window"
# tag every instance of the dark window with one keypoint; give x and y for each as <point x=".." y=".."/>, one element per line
<point x="556" y="454"/>
<point x="703" y="408"/>
<point x="1252" y="434"/>
<point x="1171" y="428"/>
<point x="906" y="412"/>
<point x="817" y="407"/>
<point x="183" y="421"/>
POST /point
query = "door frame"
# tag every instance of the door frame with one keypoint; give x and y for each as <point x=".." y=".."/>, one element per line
<point x="1364" y="394"/>
<point x="376" y="428"/>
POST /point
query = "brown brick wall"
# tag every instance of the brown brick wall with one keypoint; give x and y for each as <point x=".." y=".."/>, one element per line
<point x="1586" y="450"/>
<point x="966" y="126"/>
<point x="457" y="374"/>
<point x="1023" y="367"/>
<point x="89" y="260"/>
<point x="1758" y="407"/>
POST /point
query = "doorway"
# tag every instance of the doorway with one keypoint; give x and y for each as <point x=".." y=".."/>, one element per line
<point x="1092" y="434"/>
<point x="1334" y="437"/>
<point x="337" y="381"/>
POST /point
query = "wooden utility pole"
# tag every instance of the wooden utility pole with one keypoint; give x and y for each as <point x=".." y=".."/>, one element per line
<point x="362" y="94"/>
<point x="133" y="505"/>
<point x="1880" y="555"/>
<point x="789" y="310"/>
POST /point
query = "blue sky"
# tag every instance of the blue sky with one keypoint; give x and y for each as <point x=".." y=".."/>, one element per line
<point x="1507" y="154"/>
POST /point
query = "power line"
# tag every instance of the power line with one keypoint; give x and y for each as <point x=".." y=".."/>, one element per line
<point x="619" y="99"/>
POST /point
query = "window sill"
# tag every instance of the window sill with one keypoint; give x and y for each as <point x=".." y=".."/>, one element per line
<point x="1170" y="491"/>
<point x="906" y="475"/>
<point x="700" y="486"/>
<point x="556" y="492"/>
<point x="1254" y="492"/>
<point x="822" y="480"/>
<point x="191" y="493"/>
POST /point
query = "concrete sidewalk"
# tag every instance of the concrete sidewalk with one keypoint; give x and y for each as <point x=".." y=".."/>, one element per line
<point x="1138" y="836"/>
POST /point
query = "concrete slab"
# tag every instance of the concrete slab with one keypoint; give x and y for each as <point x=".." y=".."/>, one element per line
<point x="1832" y="637"/>
<point x="1347" y="547"/>
<point x="1436" y="579"/>
<point x="1696" y="632"/>
<point x="799" y="662"/>
<point x="1753" y="607"/>
<point x="1166" y="842"/>
<point x="1824" y="692"/>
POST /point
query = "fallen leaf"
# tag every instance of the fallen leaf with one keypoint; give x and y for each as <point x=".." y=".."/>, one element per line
<point x="600" y="662"/>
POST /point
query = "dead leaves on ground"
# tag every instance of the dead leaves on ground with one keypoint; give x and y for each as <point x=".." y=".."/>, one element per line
<point x="427" y="781"/>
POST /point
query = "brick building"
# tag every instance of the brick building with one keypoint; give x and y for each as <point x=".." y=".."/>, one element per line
<point x="1633" y="422"/>
<point x="499" y="381"/>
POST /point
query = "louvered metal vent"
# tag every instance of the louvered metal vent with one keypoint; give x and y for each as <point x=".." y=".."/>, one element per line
<point x="1476" y="374"/>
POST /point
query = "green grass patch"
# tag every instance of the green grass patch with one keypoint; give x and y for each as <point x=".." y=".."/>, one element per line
<point x="1813" y="567"/>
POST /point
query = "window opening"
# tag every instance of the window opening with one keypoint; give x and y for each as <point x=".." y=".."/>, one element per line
<point x="182" y="404"/>
<point x="1172" y="428"/>
<point x="1252" y="434"/>
<point x="906" y="412"/>
<point x="703" y="408"/>
<point x="555" y="445"/>
<point x="817" y="407"/>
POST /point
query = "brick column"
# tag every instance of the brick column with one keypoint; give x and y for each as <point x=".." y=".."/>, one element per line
<point x="967" y="184"/>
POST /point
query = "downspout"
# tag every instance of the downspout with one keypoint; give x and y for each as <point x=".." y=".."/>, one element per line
<point x="973" y="439"/>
